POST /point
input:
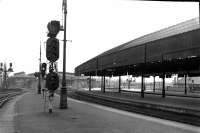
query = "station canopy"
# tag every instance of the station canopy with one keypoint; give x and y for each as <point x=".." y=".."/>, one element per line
<point x="175" y="49"/>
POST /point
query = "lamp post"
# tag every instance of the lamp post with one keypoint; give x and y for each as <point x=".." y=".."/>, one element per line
<point x="63" y="91"/>
<point x="5" y="71"/>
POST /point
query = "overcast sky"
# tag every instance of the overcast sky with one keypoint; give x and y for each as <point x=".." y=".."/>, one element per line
<point x="94" y="26"/>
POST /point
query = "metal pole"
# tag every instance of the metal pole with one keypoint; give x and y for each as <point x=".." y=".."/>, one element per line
<point x="185" y="84"/>
<point x="129" y="83"/>
<point x="101" y="83"/>
<point x="63" y="91"/>
<point x="145" y="60"/>
<point x="163" y="89"/>
<point x="119" y="84"/>
<point x="90" y="83"/>
<point x="154" y="83"/>
<point x="142" y="86"/>
<point x="163" y="78"/>
<point x="104" y="84"/>
<point x="39" y="78"/>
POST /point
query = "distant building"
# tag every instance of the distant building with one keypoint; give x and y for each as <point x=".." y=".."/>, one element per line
<point x="67" y="74"/>
<point x="20" y="74"/>
<point x="21" y="80"/>
<point x="195" y="80"/>
<point x="31" y="75"/>
<point x="73" y="82"/>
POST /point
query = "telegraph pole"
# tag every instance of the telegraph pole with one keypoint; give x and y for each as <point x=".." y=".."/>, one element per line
<point x="63" y="91"/>
<point x="39" y="78"/>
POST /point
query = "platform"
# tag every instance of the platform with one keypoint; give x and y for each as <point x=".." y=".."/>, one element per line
<point x="25" y="114"/>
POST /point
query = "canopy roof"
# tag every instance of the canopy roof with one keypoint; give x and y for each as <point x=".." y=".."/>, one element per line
<point x="181" y="41"/>
<point x="183" y="27"/>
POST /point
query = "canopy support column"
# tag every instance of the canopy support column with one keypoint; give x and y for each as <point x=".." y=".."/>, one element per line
<point x="163" y="87"/>
<point x="101" y="83"/>
<point x="119" y="84"/>
<point x="185" y="84"/>
<point x="90" y="86"/>
<point x="104" y="84"/>
<point x="142" y="86"/>
<point x="154" y="83"/>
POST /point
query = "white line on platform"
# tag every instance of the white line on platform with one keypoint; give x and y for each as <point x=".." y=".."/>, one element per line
<point x="144" y="117"/>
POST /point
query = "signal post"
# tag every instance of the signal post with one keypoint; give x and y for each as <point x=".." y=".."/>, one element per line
<point x="52" y="54"/>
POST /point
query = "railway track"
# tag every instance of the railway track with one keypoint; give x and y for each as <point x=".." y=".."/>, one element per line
<point x="6" y="96"/>
<point x="184" y="115"/>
